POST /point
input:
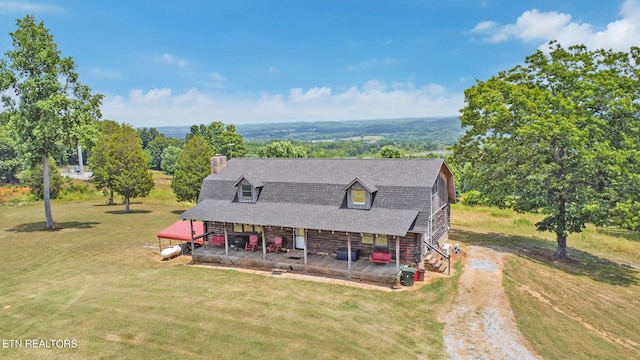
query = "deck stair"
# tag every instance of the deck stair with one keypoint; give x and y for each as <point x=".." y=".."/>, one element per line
<point x="436" y="262"/>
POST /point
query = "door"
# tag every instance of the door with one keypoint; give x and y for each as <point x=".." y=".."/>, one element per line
<point x="299" y="239"/>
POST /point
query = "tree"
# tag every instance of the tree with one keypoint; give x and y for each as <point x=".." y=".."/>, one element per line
<point x="194" y="164"/>
<point x="282" y="149"/>
<point x="51" y="108"/>
<point x="34" y="180"/>
<point x="126" y="165"/>
<point x="223" y="141"/>
<point x="10" y="164"/>
<point x="156" y="147"/>
<point x="102" y="178"/>
<point x="170" y="159"/>
<point x="390" y="151"/>
<point x="147" y="135"/>
<point x="557" y="135"/>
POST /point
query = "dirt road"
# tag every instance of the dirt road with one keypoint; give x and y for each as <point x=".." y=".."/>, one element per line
<point x="481" y="324"/>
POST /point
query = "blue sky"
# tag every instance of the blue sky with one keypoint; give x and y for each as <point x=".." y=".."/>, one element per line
<point x="185" y="62"/>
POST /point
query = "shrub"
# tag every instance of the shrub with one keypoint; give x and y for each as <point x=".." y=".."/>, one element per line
<point x="473" y="198"/>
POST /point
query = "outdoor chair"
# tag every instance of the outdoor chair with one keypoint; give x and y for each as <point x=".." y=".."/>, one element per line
<point x="217" y="240"/>
<point x="251" y="245"/>
<point x="276" y="244"/>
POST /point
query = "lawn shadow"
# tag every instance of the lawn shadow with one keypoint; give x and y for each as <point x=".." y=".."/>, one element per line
<point x="40" y="226"/>
<point x="178" y="212"/>
<point x="624" y="234"/>
<point x="121" y="212"/>
<point x="541" y="251"/>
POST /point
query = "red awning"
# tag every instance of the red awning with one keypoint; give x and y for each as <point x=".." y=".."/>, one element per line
<point x="180" y="231"/>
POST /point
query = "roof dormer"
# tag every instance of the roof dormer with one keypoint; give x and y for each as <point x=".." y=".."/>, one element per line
<point x="360" y="194"/>
<point x="248" y="189"/>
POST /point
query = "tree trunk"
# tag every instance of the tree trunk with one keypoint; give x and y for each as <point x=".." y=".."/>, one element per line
<point x="110" y="196"/>
<point x="561" y="250"/>
<point x="126" y="204"/>
<point x="47" y="194"/>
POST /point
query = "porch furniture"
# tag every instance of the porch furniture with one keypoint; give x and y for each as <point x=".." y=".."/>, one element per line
<point x="251" y="245"/>
<point x="276" y="244"/>
<point x="343" y="252"/>
<point x="217" y="240"/>
<point x="380" y="257"/>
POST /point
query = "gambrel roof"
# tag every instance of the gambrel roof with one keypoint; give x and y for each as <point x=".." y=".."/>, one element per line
<point x="311" y="193"/>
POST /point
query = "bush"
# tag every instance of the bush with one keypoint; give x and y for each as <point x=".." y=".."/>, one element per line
<point x="473" y="198"/>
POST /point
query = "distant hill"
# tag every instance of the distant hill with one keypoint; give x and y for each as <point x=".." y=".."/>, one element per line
<point x="445" y="130"/>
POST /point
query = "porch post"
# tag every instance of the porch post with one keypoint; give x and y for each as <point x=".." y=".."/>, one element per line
<point x="349" y="251"/>
<point x="191" y="232"/>
<point x="397" y="253"/>
<point x="226" y="239"/>
<point x="305" y="245"/>
<point x="264" y="245"/>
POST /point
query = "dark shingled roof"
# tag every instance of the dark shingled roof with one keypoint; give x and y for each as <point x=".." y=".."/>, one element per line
<point x="310" y="193"/>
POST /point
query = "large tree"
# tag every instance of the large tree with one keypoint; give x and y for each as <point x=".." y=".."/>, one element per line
<point x="282" y="149"/>
<point x="126" y="165"/>
<point x="10" y="164"/>
<point x="193" y="166"/>
<point x="102" y="178"/>
<point x="48" y="107"/>
<point x="225" y="141"/>
<point x="557" y="135"/>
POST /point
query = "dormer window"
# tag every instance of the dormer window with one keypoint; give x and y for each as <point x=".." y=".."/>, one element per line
<point x="248" y="189"/>
<point x="247" y="192"/>
<point x="360" y="194"/>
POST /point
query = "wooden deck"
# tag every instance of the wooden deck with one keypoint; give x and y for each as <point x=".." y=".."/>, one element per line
<point x="293" y="261"/>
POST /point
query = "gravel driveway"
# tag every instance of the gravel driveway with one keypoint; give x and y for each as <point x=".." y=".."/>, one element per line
<point x="481" y="324"/>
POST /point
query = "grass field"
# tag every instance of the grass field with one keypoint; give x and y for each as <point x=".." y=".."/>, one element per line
<point x="99" y="280"/>
<point x="585" y="308"/>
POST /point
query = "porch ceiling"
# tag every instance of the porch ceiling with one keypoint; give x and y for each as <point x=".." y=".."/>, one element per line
<point x="317" y="217"/>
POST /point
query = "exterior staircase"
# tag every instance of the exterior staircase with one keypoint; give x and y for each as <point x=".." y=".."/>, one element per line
<point x="436" y="262"/>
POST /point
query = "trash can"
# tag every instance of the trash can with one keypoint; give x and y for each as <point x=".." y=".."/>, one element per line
<point x="407" y="277"/>
<point x="419" y="275"/>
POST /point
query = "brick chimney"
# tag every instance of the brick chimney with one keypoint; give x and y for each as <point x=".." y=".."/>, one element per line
<point x="218" y="163"/>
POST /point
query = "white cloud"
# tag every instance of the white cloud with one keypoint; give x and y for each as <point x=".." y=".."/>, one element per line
<point x="7" y="7"/>
<point x="542" y="27"/>
<point x="172" y="60"/>
<point x="374" y="100"/>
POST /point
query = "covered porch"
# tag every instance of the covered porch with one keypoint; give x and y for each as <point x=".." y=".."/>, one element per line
<point x="326" y="265"/>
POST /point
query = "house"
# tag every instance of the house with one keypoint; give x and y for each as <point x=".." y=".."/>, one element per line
<point x="353" y="218"/>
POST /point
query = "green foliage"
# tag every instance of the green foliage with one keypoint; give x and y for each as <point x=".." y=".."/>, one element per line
<point x="473" y="198"/>
<point x="126" y="165"/>
<point x="170" y="159"/>
<point x="10" y="164"/>
<point x="147" y="135"/>
<point x="282" y="149"/>
<point x="102" y="179"/>
<point x="52" y="109"/>
<point x="390" y="151"/>
<point x="34" y="179"/>
<point x="553" y="136"/>
<point x="193" y="166"/>
<point x="223" y="141"/>
<point x="157" y="146"/>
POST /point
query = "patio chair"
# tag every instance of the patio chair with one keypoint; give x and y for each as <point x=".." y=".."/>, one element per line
<point x="251" y="245"/>
<point x="276" y="244"/>
<point x="217" y="240"/>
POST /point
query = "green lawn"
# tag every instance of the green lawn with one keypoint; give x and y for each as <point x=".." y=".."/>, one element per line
<point x="585" y="308"/>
